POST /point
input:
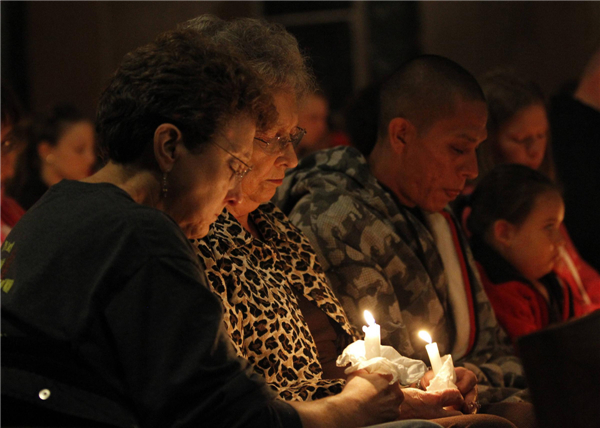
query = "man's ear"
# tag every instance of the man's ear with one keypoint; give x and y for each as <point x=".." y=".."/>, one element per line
<point x="400" y="132"/>
<point x="167" y="138"/>
<point x="44" y="149"/>
<point x="503" y="232"/>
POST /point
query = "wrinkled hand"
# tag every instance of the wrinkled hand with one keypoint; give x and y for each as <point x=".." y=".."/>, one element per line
<point x="430" y="405"/>
<point x="466" y="382"/>
<point x="372" y="397"/>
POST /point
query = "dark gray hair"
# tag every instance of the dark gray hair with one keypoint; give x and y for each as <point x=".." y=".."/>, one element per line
<point x="425" y="90"/>
<point x="182" y="79"/>
<point x="268" y="48"/>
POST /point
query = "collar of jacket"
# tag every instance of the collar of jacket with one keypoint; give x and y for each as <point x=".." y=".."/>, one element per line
<point x="227" y="229"/>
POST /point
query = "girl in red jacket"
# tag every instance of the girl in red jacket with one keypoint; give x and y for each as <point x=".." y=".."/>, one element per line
<point x="515" y="224"/>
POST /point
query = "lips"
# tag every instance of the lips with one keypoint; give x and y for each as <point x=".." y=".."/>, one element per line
<point x="452" y="193"/>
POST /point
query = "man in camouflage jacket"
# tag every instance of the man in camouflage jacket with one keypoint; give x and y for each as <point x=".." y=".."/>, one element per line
<point x="368" y="221"/>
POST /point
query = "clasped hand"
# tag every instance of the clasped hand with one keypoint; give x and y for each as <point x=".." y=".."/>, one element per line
<point x="439" y="404"/>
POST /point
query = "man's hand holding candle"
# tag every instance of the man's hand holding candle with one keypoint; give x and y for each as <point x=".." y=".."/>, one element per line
<point x="420" y="404"/>
<point x="466" y="382"/>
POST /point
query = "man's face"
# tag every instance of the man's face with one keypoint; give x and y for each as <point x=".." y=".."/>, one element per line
<point x="434" y="167"/>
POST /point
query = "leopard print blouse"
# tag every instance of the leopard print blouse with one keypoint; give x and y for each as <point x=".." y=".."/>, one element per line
<point x="257" y="281"/>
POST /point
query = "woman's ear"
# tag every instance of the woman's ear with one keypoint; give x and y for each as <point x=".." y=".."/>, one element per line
<point x="167" y="139"/>
<point x="400" y="132"/>
<point x="503" y="232"/>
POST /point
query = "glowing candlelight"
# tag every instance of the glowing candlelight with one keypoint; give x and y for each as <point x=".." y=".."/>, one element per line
<point x="372" y="337"/>
<point x="432" y="351"/>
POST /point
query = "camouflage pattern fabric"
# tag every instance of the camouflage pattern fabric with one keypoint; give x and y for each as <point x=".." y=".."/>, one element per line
<point x="257" y="281"/>
<point x="380" y="256"/>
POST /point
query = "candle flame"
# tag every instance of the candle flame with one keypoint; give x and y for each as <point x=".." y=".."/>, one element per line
<point x="369" y="318"/>
<point x="425" y="336"/>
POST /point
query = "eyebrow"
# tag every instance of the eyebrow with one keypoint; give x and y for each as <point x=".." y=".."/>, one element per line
<point x="468" y="138"/>
<point x="247" y="155"/>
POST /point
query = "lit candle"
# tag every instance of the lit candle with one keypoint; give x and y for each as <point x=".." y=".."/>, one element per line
<point x="432" y="351"/>
<point x="372" y="337"/>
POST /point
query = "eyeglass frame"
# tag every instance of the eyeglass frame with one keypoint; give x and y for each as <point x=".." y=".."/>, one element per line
<point x="282" y="146"/>
<point x="238" y="175"/>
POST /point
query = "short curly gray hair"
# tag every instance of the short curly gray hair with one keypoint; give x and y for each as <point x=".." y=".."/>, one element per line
<point x="270" y="50"/>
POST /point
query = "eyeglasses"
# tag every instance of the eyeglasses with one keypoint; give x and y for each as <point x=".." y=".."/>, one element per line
<point x="279" y="143"/>
<point x="239" y="167"/>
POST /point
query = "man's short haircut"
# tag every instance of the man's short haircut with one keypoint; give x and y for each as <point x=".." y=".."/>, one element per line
<point x="180" y="79"/>
<point x="425" y="90"/>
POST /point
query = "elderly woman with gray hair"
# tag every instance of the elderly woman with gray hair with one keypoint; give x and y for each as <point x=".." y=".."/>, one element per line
<point x="262" y="266"/>
<point x="280" y="312"/>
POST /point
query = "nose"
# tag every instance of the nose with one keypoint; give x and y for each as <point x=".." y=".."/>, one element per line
<point x="288" y="157"/>
<point x="537" y="147"/>
<point x="470" y="168"/>
<point x="234" y="196"/>
<point x="91" y="157"/>
<point x="559" y="239"/>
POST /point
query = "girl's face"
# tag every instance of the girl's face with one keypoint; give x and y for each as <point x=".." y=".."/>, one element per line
<point x="73" y="156"/>
<point x="523" y="139"/>
<point x="533" y="247"/>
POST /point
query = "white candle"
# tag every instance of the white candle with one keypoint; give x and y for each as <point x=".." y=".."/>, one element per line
<point x="372" y="337"/>
<point x="432" y="351"/>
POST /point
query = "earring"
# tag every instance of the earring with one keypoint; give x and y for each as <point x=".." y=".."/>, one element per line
<point x="165" y="187"/>
<point x="49" y="159"/>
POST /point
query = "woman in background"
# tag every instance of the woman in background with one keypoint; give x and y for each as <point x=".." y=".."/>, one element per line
<point x="11" y="115"/>
<point x="518" y="133"/>
<point x="59" y="146"/>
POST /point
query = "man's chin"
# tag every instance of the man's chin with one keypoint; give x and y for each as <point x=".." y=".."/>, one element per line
<point x="435" y="207"/>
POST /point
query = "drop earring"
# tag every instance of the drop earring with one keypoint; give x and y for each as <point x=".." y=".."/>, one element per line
<point x="165" y="187"/>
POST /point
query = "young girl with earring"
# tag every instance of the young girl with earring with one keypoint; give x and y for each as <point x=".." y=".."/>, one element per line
<point x="515" y="227"/>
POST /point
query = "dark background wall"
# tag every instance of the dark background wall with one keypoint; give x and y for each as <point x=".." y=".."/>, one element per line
<point x="65" y="51"/>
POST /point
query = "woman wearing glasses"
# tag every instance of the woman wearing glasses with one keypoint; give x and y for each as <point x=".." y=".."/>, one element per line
<point x="279" y="310"/>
